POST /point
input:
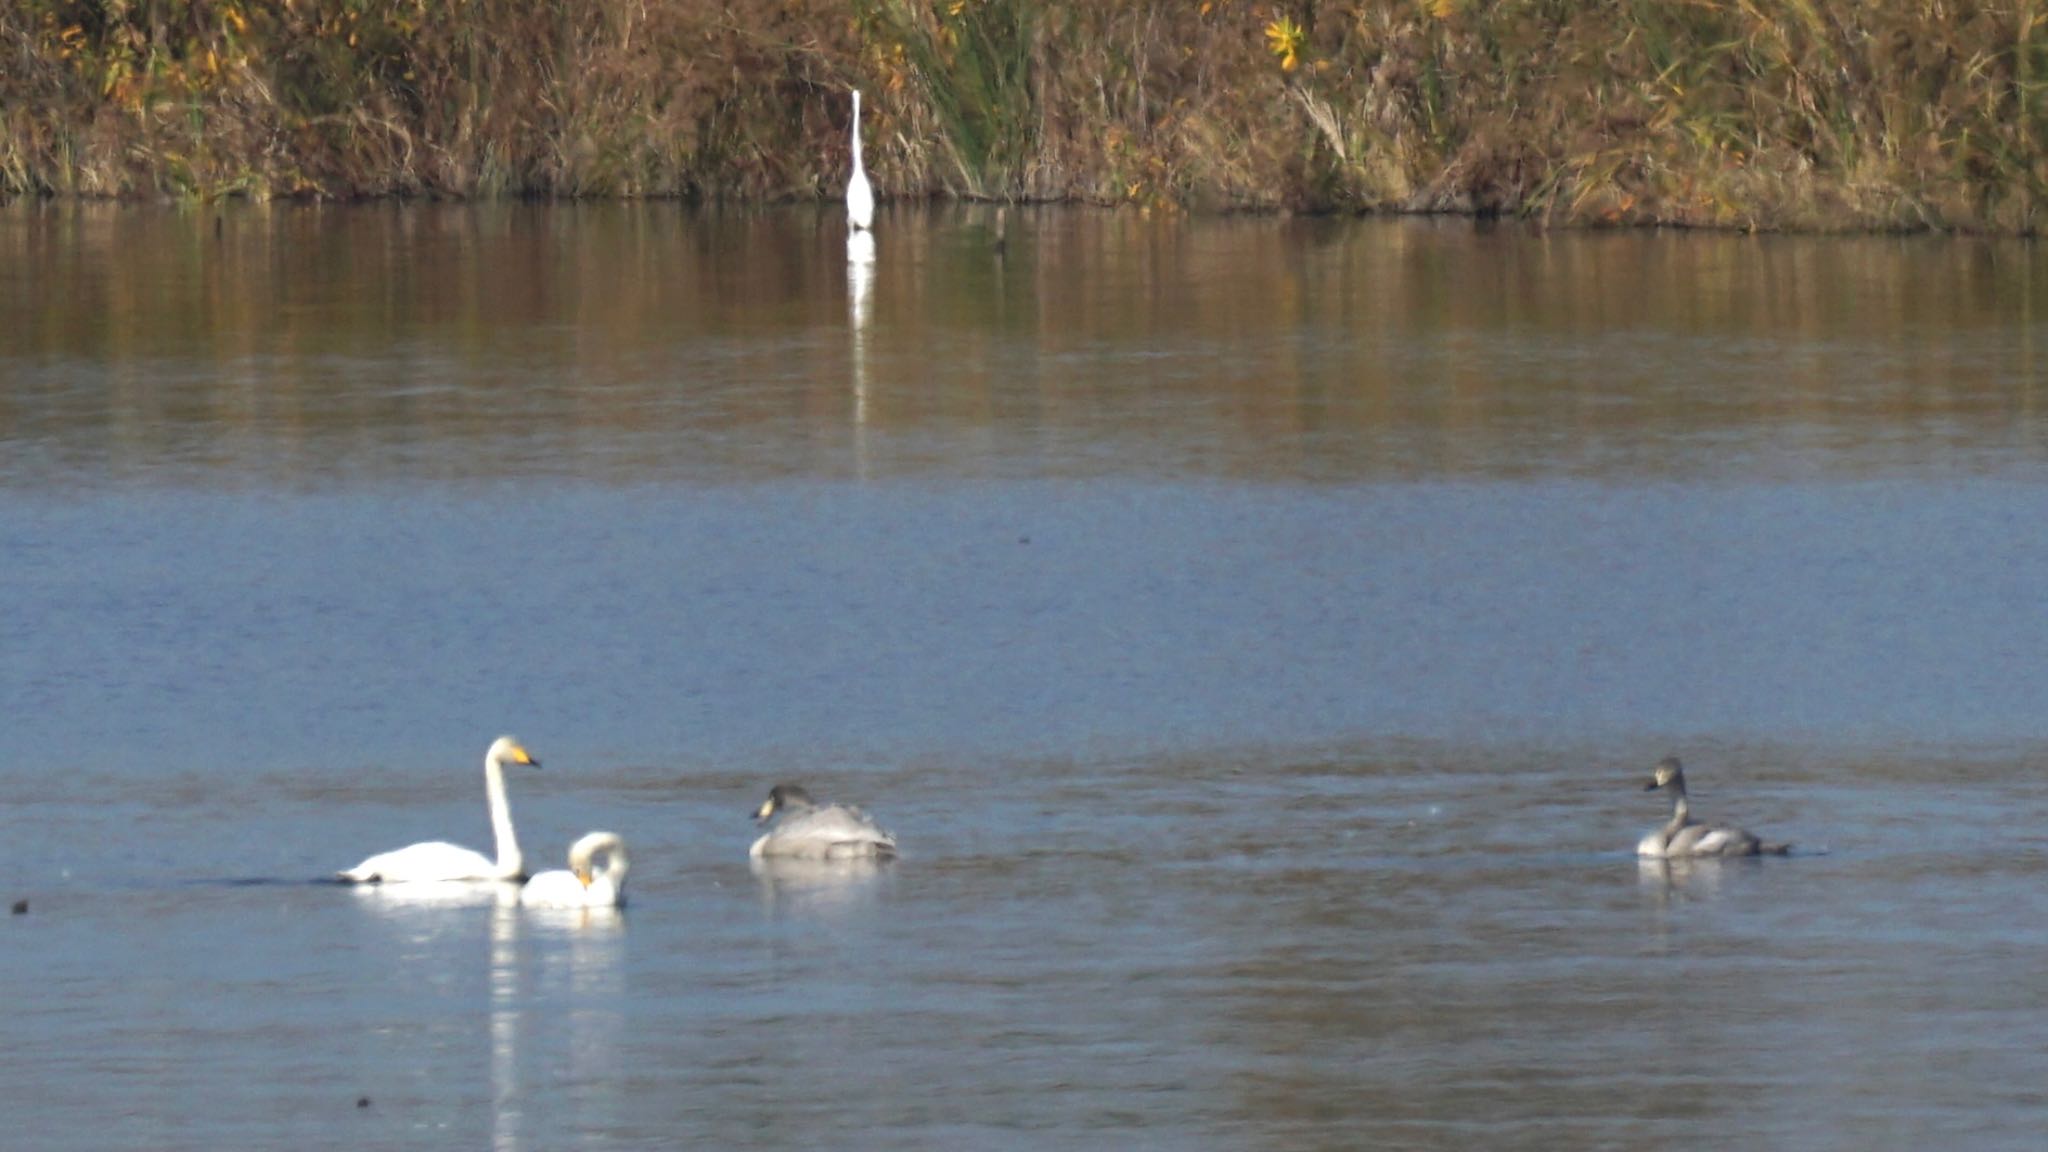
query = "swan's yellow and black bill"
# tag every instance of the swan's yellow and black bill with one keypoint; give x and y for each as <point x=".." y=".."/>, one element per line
<point x="521" y="756"/>
<point x="766" y="809"/>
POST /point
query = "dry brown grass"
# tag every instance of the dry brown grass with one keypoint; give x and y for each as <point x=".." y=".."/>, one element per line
<point x="1721" y="113"/>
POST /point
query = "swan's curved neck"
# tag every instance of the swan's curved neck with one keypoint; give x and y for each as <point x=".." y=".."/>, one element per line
<point x="614" y="866"/>
<point x="856" y="130"/>
<point x="510" y="862"/>
<point x="614" y="850"/>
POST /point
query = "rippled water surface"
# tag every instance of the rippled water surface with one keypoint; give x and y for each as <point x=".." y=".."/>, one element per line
<point x="1256" y="631"/>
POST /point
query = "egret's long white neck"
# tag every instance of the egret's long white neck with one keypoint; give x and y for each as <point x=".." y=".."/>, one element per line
<point x="510" y="862"/>
<point x="856" y="130"/>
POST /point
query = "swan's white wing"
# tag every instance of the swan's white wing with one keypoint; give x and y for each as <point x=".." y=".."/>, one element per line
<point x="559" y="889"/>
<point x="556" y="889"/>
<point x="827" y="833"/>
<point x="1712" y="840"/>
<point x="1723" y="840"/>
<point x="603" y="893"/>
<point x="433" y="860"/>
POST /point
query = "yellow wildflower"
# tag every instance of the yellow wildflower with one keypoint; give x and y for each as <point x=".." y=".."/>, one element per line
<point x="1283" y="37"/>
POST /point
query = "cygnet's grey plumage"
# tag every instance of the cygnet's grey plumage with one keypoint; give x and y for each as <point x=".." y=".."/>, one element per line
<point x="1682" y="836"/>
<point x="804" y="829"/>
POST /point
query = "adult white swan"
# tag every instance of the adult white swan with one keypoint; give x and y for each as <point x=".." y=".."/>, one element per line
<point x="440" y="860"/>
<point x="581" y="886"/>
<point x="810" y="832"/>
<point x="860" y="198"/>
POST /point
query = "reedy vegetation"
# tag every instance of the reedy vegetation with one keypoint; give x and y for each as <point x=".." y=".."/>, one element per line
<point x="1749" y="114"/>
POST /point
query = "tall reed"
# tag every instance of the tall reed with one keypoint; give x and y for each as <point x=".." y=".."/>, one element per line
<point x="1726" y="113"/>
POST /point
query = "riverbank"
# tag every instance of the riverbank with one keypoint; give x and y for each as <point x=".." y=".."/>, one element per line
<point x="1888" y="115"/>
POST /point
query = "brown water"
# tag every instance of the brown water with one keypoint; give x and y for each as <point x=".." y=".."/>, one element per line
<point x="1255" y="630"/>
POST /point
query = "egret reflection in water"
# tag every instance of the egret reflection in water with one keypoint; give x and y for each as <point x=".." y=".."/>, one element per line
<point x="860" y="286"/>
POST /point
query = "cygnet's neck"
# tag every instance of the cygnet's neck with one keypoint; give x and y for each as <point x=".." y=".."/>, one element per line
<point x="1679" y="811"/>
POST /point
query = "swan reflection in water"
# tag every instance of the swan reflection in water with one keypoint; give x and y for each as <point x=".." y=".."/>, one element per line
<point x="555" y="996"/>
<point x="1696" y="877"/>
<point x="818" y="887"/>
<point x="507" y="1006"/>
<point x="401" y="898"/>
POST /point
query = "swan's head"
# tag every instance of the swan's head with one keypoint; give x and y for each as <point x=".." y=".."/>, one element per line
<point x="784" y="797"/>
<point x="1666" y="774"/>
<point x="508" y="750"/>
<point x="582" y="855"/>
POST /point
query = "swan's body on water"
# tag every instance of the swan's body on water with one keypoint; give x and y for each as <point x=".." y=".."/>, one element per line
<point x="1682" y="836"/>
<point x="439" y="860"/>
<point x="808" y="831"/>
<point x="582" y="886"/>
<point x="860" y="197"/>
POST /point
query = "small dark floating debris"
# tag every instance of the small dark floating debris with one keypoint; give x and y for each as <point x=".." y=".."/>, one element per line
<point x="21" y="907"/>
<point x="362" y="1101"/>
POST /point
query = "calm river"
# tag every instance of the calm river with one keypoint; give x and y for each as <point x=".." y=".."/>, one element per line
<point x="1256" y="631"/>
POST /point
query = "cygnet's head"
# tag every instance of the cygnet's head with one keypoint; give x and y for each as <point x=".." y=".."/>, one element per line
<point x="783" y="797"/>
<point x="1666" y="772"/>
<point x="508" y="750"/>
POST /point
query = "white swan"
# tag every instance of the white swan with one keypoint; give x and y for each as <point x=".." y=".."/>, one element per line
<point x="1681" y="836"/>
<point x="440" y="860"/>
<point x="807" y="831"/>
<point x="580" y="887"/>
<point x="860" y="198"/>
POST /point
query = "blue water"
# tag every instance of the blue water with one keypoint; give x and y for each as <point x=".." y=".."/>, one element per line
<point x="901" y="619"/>
<point x="1257" y="632"/>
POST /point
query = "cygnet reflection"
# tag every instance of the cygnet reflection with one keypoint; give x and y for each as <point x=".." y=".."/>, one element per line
<point x="827" y="888"/>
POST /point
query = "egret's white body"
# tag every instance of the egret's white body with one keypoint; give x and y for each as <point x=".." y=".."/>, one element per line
<point x="860" y="197"/>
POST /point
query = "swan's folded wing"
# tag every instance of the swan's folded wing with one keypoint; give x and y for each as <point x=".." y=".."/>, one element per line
<point x="831" y="832"/>
<point x="1722" y="840"/>
<point x="557" y="889"/>
<point x="433" y="860"/>
<point x="1712" y="840"/>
